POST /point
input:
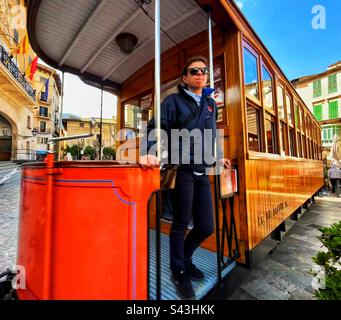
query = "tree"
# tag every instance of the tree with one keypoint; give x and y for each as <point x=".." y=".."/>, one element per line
<point x="90" y="152"/>
<point x="74" y="151"/>
<point x="109" y="153"/>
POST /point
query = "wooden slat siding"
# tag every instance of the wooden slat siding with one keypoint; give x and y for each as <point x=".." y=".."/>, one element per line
<point x="270" y="182"/>
<point x="171" y="63"/>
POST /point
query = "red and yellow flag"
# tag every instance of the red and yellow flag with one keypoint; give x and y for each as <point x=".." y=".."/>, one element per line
<point x="32" y="68"/>
<point x="23" y="46"/>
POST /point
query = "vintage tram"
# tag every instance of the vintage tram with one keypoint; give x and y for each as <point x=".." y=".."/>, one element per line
<point x="94" y="229"/>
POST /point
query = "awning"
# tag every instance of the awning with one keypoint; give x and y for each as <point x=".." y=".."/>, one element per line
<point x="41" y="152"/>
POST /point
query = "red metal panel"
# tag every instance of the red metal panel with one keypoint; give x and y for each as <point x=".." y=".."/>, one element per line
<point x="98" y="232"/>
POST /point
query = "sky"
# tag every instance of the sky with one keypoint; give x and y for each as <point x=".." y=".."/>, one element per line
<point x="302" y="38"/>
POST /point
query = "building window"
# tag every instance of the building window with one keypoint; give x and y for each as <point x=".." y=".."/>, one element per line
<point x="280" y="102"/>
<point x="267" y="88"/>
<point x="251" y="74"/>
<point x="81" y="124"/>
<point x="42" y="140"/>
<point x="329" y="132"/>
<point x="333" y="109"/>
<point x="317" y="110"/>
<point x="6" y="132"/>
<point x="42" y="126"/>
<point x="317" y="89"/>
<point x="270" y="129"/>
<point x="43" y="111"/>
<point x="332" y="84"/>
<point x="29" y="122"/>
<point x="253" y="128"/>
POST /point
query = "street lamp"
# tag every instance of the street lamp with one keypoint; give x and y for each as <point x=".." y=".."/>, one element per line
<point x="34" y="132"/>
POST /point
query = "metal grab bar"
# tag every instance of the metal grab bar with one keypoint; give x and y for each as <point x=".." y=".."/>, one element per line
<point x="226" y="232"/>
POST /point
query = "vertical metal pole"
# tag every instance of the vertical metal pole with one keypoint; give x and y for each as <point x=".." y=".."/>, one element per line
<point x="210" y="48"/>
<point x="158" y="246"/>
<point x="61" y="112"/>
<point x="157" y="76"/>
<point x="217" y="226"/>
<point x="158" y="136"/>
<point x="100" y="127"/>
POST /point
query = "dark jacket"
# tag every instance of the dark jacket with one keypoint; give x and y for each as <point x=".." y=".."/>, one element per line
<point x="181" y="111"/>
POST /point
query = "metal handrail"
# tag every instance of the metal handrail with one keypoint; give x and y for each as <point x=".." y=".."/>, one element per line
<point x="14" y="70"/>
<point x="227" y="234"/>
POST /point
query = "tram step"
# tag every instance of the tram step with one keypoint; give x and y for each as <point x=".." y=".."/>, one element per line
<point x="204" y="259"/>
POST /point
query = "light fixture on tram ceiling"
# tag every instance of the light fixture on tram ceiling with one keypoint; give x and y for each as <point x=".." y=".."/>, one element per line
<point x="141" y="2"/>
<point x="126" y="41"/>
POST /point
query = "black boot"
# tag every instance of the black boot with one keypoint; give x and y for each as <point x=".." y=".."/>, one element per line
<point x="193" y="272"/>
<point x="183" y="284"/>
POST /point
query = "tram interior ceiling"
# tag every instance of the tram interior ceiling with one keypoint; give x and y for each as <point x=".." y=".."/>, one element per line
<point x="270" y="136"/>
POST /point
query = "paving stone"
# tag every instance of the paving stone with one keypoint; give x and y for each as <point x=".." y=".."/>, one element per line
<point x="241" y="294"/>
<point x="262" y="290"/>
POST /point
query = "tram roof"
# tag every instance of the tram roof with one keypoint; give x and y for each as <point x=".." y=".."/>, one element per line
<point x="79" y="36"/>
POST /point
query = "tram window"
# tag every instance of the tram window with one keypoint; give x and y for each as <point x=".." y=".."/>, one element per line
<point x="270" y="130"/>
<point x="299" y="153"/>
<point x="304" y="148"/>
<point x="292" y="142"/>
<point x="253" y="127"/>
<point x="280" y="102"/>
<point x="133" y="116"/>
<point x="301" y="119"/>
<point x="251" y="74"/>
<point x="219" y="95"/>
<point x="296" y="109"/>
<point x="267" y="88"/>
<point x="283" y="139"/>
<point x="289" y="109"/>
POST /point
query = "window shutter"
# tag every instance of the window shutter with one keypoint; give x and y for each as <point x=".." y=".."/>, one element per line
<point x="333" y="109"/>
<point x="332" y="85"/>
<point x="318" y="112"/>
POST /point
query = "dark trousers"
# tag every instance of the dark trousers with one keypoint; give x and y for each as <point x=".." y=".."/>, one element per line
<point x="334" y="184"/>
<point x="191" y="199"/>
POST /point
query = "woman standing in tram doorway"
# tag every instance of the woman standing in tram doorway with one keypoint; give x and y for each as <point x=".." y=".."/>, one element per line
<point x="190" y="108"/>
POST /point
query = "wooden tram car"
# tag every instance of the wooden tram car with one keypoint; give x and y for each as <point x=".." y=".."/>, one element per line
<point x="93" y="218"/>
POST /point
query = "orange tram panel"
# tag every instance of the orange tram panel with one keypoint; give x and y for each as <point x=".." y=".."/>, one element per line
<point x="83" y="230"/>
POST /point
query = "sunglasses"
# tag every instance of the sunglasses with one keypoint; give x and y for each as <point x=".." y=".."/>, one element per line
<point x="194" y="71"/>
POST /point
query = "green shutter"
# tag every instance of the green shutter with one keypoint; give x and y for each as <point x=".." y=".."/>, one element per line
<point x="333" y="109"/>
<point x="317" y="90"/>
<point x="318" y="112"/>
<point x="332" y="84"/>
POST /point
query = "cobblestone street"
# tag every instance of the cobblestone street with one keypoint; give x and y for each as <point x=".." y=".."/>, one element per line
<point x="9" y="206"/>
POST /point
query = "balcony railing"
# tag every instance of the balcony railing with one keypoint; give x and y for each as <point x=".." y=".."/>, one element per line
<point x="13" y="69"/>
